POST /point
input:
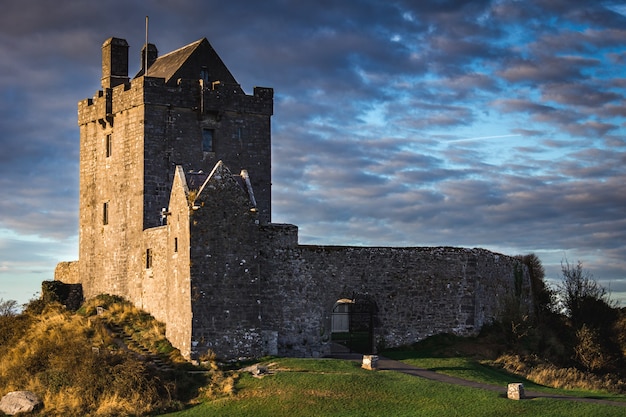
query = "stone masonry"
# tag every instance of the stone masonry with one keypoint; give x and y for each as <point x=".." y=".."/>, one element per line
<point x="175" y="216"/>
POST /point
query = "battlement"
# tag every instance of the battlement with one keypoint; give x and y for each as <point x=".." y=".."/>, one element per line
<point x="189" y="94"/>
<point x="224" y="97"/>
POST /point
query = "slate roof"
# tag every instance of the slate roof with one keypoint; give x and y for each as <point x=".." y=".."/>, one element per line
<point x="166" y="66"/>
<point x="188" y="62"/>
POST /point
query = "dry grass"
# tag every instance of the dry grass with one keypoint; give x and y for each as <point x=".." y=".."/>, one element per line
<point x="138" y="324"/>
<point x="544" y="373"/>
<point x="78" y="368"/>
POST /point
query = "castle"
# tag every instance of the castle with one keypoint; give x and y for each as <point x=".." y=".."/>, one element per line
<point x="175" y="216"/>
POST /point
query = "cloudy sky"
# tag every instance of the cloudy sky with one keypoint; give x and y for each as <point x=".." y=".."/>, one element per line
<point x="494" y="124"/>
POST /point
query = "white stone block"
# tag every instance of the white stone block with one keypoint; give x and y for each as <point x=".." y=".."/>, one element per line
<point x="515" y="391"/>
<point x="370" y="362"/>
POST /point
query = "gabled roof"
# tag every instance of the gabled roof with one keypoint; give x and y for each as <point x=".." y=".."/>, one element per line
<point x="189" y="62"/>
<point x="165" y="66"/>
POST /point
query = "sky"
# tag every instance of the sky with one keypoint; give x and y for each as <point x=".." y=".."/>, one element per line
<point x="492" y="124"/>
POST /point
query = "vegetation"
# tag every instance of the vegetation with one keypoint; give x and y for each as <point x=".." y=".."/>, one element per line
<point x="8" y="308"/>
<point x="109" y="359"/>
<point x="575" y="338"/>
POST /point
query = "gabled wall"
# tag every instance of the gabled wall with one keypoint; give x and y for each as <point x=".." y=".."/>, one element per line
<point x="225" y="271"/>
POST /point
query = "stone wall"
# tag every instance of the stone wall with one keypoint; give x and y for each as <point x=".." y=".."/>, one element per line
<point x="111" y="190"/>
<point x="151" y="292"/>
<point x="418" y="292"/>
<point x="67" y="272"/>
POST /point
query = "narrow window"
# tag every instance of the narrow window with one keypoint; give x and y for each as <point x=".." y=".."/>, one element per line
<point x="175" y="244"/>
<point x="148" y="258"/>
<point x="109" y="145"/>
<point x="207" y="140"/>
<point x="204" y="75"/>
<point x="105" y="213"/>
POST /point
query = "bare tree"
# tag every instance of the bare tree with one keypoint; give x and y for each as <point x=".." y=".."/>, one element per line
<point x="8" y="307"/>
<point x="578" y="290"/>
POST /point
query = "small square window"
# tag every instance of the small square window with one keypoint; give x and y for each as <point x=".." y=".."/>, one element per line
<point x="105" y="213"/>
<point x="207" y="140"/>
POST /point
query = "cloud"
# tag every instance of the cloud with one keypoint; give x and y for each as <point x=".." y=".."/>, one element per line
<point x="369" y="97"/>
<point x="588" y="95"/>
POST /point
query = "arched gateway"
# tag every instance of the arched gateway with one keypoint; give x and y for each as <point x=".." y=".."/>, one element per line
<point x="352" y="325"/>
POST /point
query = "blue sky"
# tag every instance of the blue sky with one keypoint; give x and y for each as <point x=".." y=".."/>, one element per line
<point x="494" y="124"/>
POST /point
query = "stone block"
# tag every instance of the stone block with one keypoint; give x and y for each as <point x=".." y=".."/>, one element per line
<point x="370" y="362"/>
<point x="515" y="391"/>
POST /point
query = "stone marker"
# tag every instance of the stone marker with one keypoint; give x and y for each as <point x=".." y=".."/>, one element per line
<point x="19" y="402"/>
<point x="515" y="391"/>
<point x="370" y="362"/>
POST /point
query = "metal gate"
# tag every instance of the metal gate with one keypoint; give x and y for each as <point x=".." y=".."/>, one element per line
<point x="353" y="325"/>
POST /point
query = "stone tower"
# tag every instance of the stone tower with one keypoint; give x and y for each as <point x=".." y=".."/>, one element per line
<point x="187" y="111"/>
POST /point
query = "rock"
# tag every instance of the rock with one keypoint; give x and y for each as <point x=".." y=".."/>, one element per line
<point x="515" y="391"/>
<point x="259" y="370"/>
<point x="19" y="402"/>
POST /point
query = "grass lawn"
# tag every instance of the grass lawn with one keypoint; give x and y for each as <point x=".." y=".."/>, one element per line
<point x="325" y="387"/>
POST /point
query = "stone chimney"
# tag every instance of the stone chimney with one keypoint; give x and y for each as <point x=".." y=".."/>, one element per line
<point x="114" y="62"/>
<point x="153" y="54"/>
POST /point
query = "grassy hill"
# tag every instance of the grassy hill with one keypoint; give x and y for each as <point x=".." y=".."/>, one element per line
<point x="107" y="359"/>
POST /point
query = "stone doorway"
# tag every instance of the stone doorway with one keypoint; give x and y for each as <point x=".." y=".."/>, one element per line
<point x="352" y="325"/>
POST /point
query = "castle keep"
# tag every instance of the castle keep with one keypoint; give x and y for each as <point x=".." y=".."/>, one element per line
<point x="175" y="216"/>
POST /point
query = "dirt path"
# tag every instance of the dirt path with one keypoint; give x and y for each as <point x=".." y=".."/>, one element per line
<point x="386" y="364"/>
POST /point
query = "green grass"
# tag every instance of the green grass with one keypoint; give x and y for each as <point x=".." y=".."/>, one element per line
<point x="309" y="387"/>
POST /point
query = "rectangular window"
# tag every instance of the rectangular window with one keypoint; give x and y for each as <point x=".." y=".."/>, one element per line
<point x="204" y="75"/>
<point x="105" y="213"/>
<point x="109" y="145"/>
<point x="148" y="258"/>
<point x="175" y="244"/>
<point x="207" y="140"/>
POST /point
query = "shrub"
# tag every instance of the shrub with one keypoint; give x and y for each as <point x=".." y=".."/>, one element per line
<point x="590" y="352"/>
<point x="546" y="373"/>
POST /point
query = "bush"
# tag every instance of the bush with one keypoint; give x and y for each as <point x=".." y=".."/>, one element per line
<point x="590" y="352"/>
